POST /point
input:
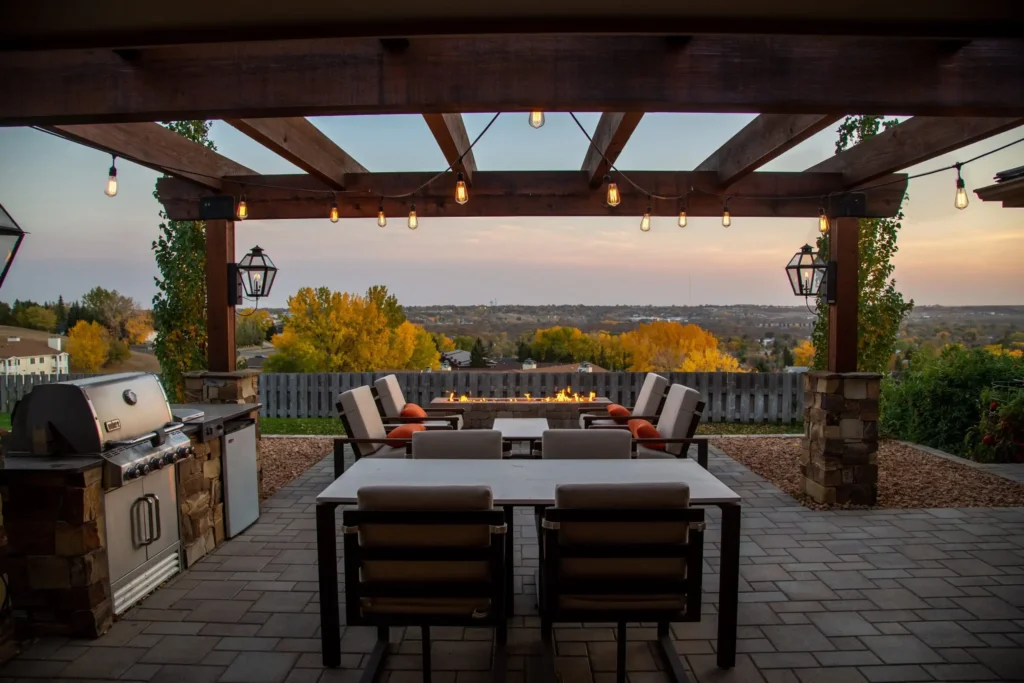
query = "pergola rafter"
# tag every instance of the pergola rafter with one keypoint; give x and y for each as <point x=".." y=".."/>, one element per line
<point x="610" y="137"/>
<point x="790" y="74"/>
<point x="158" y="148"/>
<point x="763" y="139"/>
<point x="303" y="144"/>
<point x="911" y="142"/>
<point x="449" y="130"/>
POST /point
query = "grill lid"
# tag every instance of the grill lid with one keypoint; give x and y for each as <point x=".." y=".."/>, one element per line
<point x="87" y="415"/>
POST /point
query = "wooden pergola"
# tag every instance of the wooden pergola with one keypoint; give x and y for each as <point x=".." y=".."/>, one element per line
<point x="103" y="76"/>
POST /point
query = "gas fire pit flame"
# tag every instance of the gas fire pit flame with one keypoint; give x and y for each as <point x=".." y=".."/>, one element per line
<point x="566" y="395"/>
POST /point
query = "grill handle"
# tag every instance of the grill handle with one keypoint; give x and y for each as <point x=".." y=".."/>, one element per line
<point x="157" y="437"/>
<point x="153" y="503"/>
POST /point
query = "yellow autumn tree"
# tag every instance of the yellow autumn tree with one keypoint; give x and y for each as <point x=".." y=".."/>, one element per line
<point x="88" y="344"/>
<point x="673" y="347"/>
<point x="803" y="354"/>
<point x="425" y="353"/>
<point x="138" y="327"/>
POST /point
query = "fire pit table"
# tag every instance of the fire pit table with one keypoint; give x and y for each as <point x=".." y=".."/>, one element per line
<point x="561" y="411"/>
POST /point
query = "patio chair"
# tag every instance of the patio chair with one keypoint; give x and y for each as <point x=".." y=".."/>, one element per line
<point x="647" y="407"/>
<point x="622" y="553"/>
<point x="425" y="556"/>
<point x="365" y="432"/>
<point x="563" y="444"/>
<point x="674" y="433"/>
<point x="391" y="402"/>
<point x="468" y="444"/>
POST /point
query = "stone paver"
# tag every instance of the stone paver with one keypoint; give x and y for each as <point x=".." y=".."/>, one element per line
<point x="883" y="595"/>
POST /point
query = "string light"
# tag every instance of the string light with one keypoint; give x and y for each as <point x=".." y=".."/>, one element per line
<point x="726" y="216"/>
<point x="536" y="119"/>
<point x="645" y="222"/>
<point x="382" y="220"/>
<point x="334" y="211"/>
<point x="682" y="216"/>
<point x="111" y="189"/>
<point x="242" y="212"/>
<point x="461" y="191"/>
<point x="613" y="198"/>
<point x="822" y="222"/>
<point x="961" y="191"/>
<point x="414" y="221"/>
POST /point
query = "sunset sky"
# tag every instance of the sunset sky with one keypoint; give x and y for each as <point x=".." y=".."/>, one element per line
<point x="80" y="238"/>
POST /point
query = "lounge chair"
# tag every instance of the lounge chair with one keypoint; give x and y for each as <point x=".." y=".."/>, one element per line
<point x="467" y="444"/>
<point x="425" y="556"/>
<point x="365" y="432"/>
<point x="391" y="402"/>
<point x="647" y="406"/>
<point x="675" y="428"/>
<point x="622" y="553"/>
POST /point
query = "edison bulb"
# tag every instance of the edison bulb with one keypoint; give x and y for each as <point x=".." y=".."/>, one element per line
<point x="414" y="221"/>
<point x="461" y="191"/>
<point x="536" y="119"/>
<point x="381" y="218"/>
<point x="645" y="222"/>
<point x="726" y="218"/>
<point x="682" y="219"/>
<point x="334" y="212"/>
<point x="242" y="212"/>
<point x="111" y="188"/>
<point x="613" y="198"/>
<point x="961" y="195"/>
<point x="822" y="223"/>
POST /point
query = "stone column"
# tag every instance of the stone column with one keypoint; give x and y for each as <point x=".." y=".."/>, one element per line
<point x="200" y="489"/>
<point x="841" y="437"/>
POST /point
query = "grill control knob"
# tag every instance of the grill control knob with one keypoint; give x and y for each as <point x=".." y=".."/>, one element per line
<point x="142" y="469"/>
<point x="183" y="453"/>
<point x="156" y="463"/>
<point x="170" y="458"/>
<point x="131" y="473"/>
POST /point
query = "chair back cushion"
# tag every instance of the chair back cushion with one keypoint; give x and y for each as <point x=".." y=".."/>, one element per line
<point x="403" y="433"/>
<point x="363" y="418"/>
<point x="615" y="410"/>
<point x="468" y="444"/>
<point x="665" y="495"/>
<point x="412" y="410"/>
<point x="651" y="392"/>
<point x="590" y="444"/>
<point x="392" y="400"/>
<point x="677" y="415"/>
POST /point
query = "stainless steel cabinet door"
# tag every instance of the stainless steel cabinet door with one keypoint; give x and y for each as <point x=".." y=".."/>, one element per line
<point x="241" y="481"/>
<point x="127" y="529"/>
<point x="162" y="497"/>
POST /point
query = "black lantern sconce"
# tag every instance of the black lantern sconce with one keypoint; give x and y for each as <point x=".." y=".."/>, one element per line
<point x="11" y="236"/>
<point x="253" y="276"/>
<point x="807" y="273"/>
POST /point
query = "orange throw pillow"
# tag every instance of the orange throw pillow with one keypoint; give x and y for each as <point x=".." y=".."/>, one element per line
<point x="403" y="432"/>
<point x="642" y="429"/>
<point x="615" y="410"/>
<point x="413" y="410"/>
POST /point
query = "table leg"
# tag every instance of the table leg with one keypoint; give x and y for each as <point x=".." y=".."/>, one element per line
<point x="327" y="563"/>
<point x="510" y="562"/>
<point x="729" y="585"/>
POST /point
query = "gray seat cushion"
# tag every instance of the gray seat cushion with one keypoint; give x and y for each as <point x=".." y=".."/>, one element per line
<point x="591" y="444"/>
<point x="363" y="418"/>
<point x="392" y="400"/>
<point x="469" y="444"/>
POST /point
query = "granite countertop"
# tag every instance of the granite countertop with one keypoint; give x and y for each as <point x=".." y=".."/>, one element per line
<point x="54" y="464"/>
<point x="211" y="426"/>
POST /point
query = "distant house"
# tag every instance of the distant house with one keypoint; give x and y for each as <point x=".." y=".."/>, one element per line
<point x="32" y="357"/>
<point x="529" y="364"/>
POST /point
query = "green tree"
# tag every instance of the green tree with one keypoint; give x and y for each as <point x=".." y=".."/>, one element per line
<point x="179" y="307"/>
<point x="37" y="318"/>
<point x="881" y="309"/>
<point x="463" y="342"/>
<point x="387" y="303"/>
<point x="60" y="309"/>
<point x="110" y="308"/>
<point x="477" y="355"/>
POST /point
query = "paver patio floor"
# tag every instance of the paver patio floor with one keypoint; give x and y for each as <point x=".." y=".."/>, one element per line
<point x="831" y="597"/>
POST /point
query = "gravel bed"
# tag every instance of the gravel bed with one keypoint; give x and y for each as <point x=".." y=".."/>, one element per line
<point x="907" y="477"/>
<point x="284" y="459"/>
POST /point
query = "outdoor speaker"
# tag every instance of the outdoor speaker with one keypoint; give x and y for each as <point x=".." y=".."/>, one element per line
<point x="217" y="207"/>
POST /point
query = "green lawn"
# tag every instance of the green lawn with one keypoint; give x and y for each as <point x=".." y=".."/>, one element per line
<point x="331" y="426"/>
<point x="5" y="420"/>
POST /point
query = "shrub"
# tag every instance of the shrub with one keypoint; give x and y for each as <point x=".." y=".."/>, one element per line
<point x="118" y="351"/>
<point x="937" y="402"/>
<point x="999" y="437"/>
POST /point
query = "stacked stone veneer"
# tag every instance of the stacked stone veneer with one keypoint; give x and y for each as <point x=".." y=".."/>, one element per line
<point x="481" y="415"/>
<point x="841" y="437"/>
<point x="56" y="558"/>
<point x="200" y="486"/>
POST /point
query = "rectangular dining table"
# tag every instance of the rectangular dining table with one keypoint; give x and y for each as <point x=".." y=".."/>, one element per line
<point x="520" y="429"/>
<point x="525" y="483"/>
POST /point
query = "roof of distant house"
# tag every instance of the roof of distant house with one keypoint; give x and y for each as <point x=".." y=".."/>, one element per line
<point x="26" y="348"/>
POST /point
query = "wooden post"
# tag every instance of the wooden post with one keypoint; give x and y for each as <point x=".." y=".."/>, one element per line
<point x="842" y="315"/>
<point x="220" y="311"/>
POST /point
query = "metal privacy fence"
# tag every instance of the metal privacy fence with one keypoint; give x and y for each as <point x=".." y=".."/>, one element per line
<point x="729" y="396"/>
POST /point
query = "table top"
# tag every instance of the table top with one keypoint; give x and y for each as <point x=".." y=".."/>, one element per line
<point x="521" y="427"/>
<point x="525" y="482"/>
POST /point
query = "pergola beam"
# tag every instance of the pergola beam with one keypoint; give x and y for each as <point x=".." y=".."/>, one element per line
<point x="529" y="193"/>
<point x="911" y="142"/>
<point x="156" y="147"/>
<point x="763" y="139"/>
<point x="450" y="132"/>
<point x="303" y="144"/>
<point x="790" y="74"/>
<point x="610" y="137"/>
